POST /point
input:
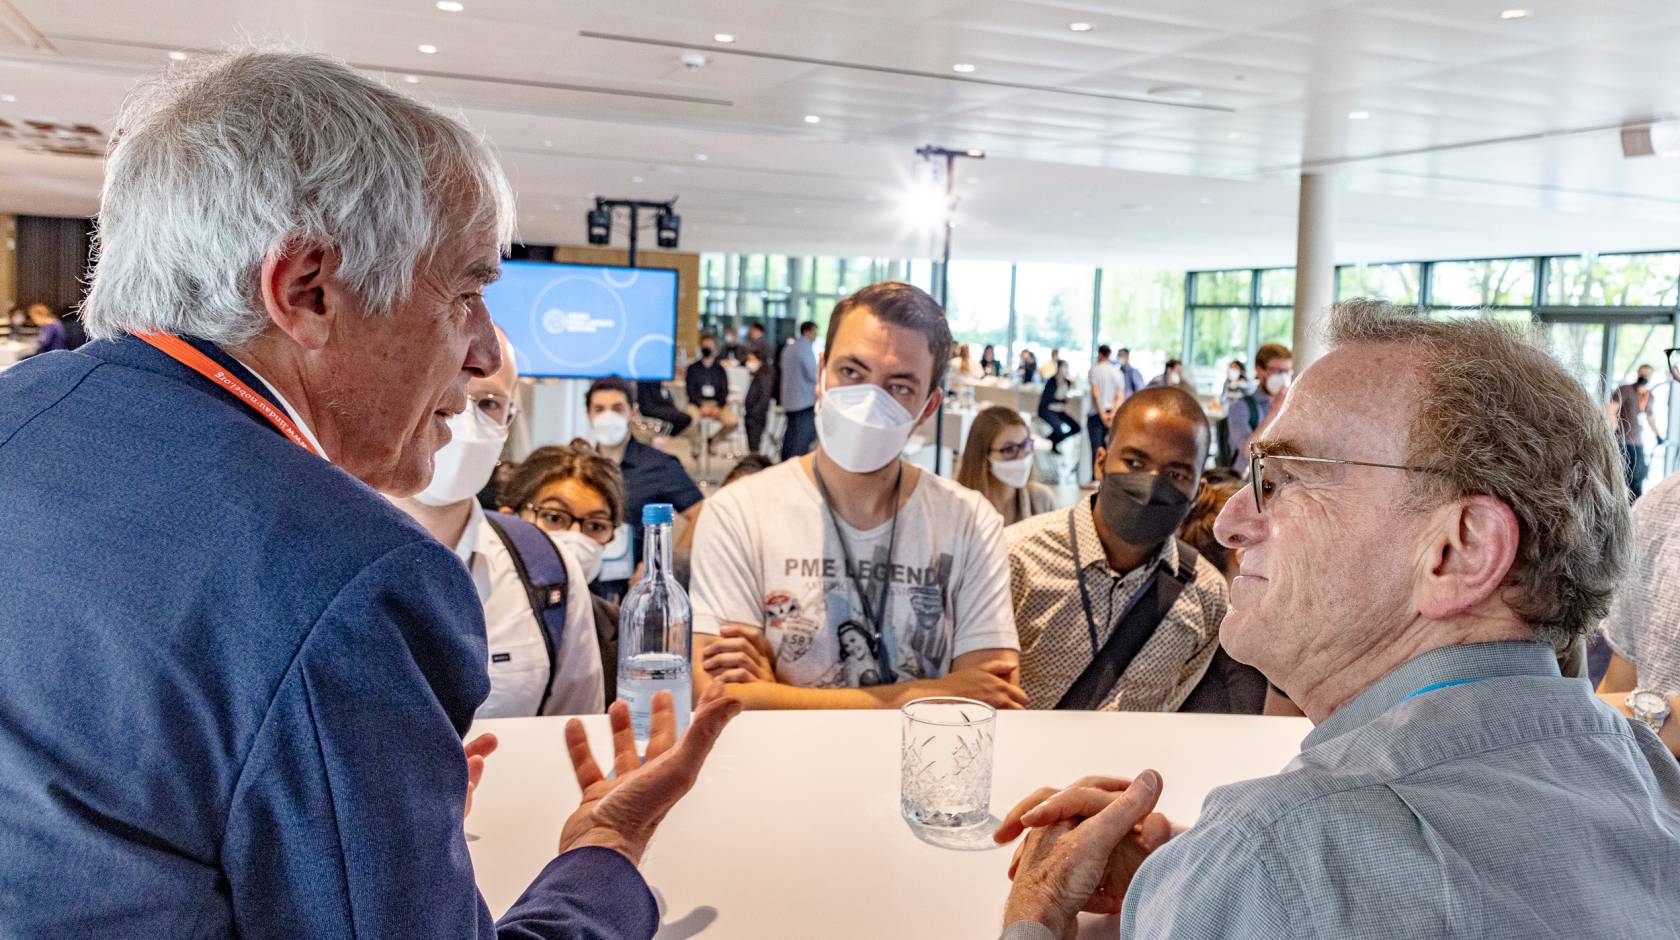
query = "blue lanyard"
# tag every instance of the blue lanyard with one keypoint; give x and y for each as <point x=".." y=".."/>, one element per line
<point x="1441" y="685"/>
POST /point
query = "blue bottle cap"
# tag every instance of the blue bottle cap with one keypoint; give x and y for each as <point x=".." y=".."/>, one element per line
<point x="656" y="514"/>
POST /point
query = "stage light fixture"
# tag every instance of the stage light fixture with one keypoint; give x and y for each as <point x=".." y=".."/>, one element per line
<point x="667" y="226"/>
<point x="599" y="221"/>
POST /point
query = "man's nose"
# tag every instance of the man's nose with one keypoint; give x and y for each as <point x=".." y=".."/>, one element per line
<point x="484" y="353"/>
<point x="1240" y="524"/>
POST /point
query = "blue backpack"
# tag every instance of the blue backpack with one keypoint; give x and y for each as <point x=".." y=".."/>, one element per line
<point x="543" y="572"/>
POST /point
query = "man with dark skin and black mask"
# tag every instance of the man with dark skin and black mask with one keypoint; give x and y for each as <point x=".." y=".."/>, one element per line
<point x="1115" y="612"/>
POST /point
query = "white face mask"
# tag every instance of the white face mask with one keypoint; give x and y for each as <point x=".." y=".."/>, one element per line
<point x="1012" y="472"/>
<point x="860" y="427"/>
<point x="611" y="428"/>
<point x="584" y="550"/>
<point x="465" y="464"/>
<point x="1233" y="374"/>
<point x="1275" y="384"/>
<point x="752" y="368"/>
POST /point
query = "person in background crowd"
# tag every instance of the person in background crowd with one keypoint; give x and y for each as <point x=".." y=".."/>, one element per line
<point x="989" y="364"/>
<point x="1628" y="404"/>
<point x="799" y="564"/>
<point x="1236" y="383"/>
<point x="653" y="400"/>
<point x="49" y="335"/>
<point x="707" y="384"/>
<point x="997" y="463"/>
<point x="1171" y="376"/>
<point x="756" y="341"/>
<point x="1130" y="378"/>
<point x="288" y="307"/>
<point x="962" y="365"/>
<point x="1027" y="371"/>
<point x="797" y="369"/>
<point x="650" y="474"/>
<point x="16" y="317"/>
<point x="1274" y="366"/>
<point x="542" y="661"/>
<point x="1049" y="368"/>
<point x="1113" y="611"/>
<point x="755" y="406"/>
<point x="746" y="467"/>
<point x="1433" y="509"/>
<point x="574" y="493"/>
<point x="1052" y="407"/>
<point x="1643" y="625"/>
<point x="1229" y="687"/>
<point x="1107" y="392"/>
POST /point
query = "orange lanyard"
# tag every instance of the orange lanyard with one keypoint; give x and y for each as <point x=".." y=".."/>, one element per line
<point x="179" y="350"/>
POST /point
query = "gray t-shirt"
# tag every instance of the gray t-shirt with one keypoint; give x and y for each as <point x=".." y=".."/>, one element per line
<point x="766" y="555"/>
<point x="1644" y="620"/>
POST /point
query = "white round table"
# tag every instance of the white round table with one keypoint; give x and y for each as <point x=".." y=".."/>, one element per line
<point x="794" y="830"/>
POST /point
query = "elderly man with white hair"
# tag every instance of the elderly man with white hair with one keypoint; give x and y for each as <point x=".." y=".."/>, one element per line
<point x="233" y="679"/>
<point x="1436" y="505"/>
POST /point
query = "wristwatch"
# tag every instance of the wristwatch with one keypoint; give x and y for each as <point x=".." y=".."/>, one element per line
<point x="1648" y="706"/>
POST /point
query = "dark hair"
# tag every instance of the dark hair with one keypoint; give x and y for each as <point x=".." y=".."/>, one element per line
<point x="611" y="383"/>
<point x="1173" y="362"/>
<point x="1218" y="486"/>
<point x="975" y="467"/>
<point x="1265" y="354"/>
<point x="899" y="304"/>
<point x="1122" y="351"/>
<point x="746" y="467"/>
<point x="809" y="326"/>
<point x="1103" y="350"/>
<point x="755" y="325"/>
<point x="547" y="465"/>
<point x="1240" y="367"/>
<point x="1174" y="399"/>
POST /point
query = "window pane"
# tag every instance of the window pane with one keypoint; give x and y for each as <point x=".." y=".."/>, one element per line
<point x="1396" y="283"/>
<point x="825" y="275"/>
<point x="860" y="273"/>
<point x="1614" y="280"/>
<point x="755" y="273"/>
<point x="713" y="270"/>
<point x="1053" y="310"/>
<point x="979" y="308"/>
<point x="1218" y="335"/>
<point x="1277" y="325"/>
<point x="1508" y="282"/>
<point x="921" y="274"/>
<point x="1223" y="287"/>
<point x="1277" y="287"/>
<point x="1143" y="310"/>
<point x="776" y="272"/>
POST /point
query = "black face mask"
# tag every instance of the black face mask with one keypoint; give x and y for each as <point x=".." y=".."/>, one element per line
<point x="1141" y="508"/>
<point x="707" y="352"/>
<point x="1643" y="380"/>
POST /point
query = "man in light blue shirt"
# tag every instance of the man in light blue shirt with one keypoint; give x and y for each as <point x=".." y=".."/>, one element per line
<point x="1435" y="505"/>
<point x="798" y="365"/>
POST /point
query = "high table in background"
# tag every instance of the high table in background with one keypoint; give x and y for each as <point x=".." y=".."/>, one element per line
<point x="794" y="829"/>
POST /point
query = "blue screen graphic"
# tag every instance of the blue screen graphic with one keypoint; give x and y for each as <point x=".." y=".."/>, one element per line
<point x="579" y="321"/>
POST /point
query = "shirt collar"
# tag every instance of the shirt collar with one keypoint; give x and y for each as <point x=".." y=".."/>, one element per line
<point x="1091" y="553"/>
<point x="291" y="412"/>
<point x="468" y="545"/>
<point x="1456" y="664"/>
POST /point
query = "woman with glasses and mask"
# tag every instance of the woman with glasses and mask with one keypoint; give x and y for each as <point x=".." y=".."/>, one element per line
<point x="997" y="463"/>
<point x="544" y="658"/>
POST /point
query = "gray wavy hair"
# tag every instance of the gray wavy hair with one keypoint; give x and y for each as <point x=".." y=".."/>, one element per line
<point x="1502" y="418"/>
<point x="217" y="163"/>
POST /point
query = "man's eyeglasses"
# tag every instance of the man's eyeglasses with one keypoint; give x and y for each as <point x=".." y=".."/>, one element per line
<point x="553" y="517"/>
<point x="1673" y="362"/>
<point x="494" y="410"/>
<point x="1014" y="451"/>
<point x="1267" y="472"/>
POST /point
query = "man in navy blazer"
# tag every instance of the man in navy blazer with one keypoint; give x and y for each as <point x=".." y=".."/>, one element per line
<point x="233" y="678"/>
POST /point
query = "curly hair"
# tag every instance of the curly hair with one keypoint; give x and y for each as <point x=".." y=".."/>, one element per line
<point x="548" y="465"/>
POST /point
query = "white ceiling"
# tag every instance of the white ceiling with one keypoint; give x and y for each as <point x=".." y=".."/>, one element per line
<point x="1485" y="136"/>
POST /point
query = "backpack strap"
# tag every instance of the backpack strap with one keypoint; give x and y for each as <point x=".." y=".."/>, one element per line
<point x="542" y="570"/>
<point x="1253" y="413"/>
<point x="1134" y="630"/>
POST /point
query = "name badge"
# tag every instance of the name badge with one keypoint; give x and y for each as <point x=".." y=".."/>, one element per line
<point x="706" y="391"/>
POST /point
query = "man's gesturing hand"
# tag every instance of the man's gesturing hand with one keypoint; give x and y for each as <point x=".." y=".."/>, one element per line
<point x="621" y="812"/>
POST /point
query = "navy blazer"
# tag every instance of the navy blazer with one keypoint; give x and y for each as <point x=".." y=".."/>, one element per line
<point x="234" y="681"/>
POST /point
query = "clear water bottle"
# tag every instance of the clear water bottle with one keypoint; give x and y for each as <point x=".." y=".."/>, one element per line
<point x="653" y="632"/>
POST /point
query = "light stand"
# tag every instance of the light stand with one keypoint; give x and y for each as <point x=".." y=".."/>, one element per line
<point x="931" y="152"/>
<point x="599" y="221"/>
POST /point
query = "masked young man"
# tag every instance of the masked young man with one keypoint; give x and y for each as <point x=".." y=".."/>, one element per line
<point x="803" y="570"/>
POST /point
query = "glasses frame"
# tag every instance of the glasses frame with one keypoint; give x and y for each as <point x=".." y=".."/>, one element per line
<point x="1257" y="468"/>
<point x="511" y="405"/>
<point x="534" y="508"/>
<point x="1025" y="448"/>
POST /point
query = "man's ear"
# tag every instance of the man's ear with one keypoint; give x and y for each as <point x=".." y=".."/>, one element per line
<point x="1474" y="547"/>
<point x="300" y="294"/>
<point x="930" y="408"/>
<point x="1097" y="461"/>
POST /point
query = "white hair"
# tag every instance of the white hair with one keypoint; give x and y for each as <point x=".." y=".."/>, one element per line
<point x="219" y="163"/>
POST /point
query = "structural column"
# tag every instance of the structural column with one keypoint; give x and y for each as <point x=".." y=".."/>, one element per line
<point x="1315" y="265"/>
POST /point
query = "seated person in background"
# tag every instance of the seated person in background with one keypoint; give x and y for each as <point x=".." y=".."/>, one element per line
<point x="997" y="463"/>
<point x="650" y="474"/>
<point x="1027" y="372"/>
<point x="50" y="335"/>
<point x="1113" y="611"/>
<point x="577" y="496"/>
<point x="1433" y="506"/>
<point x="746" y="467"/>
<point x="1228" y="687"/>
<point x="760" y="391"/>
<point x="1052" y="407"/>
<point x="1643" y="626"/>
<point x="1171" y="375"/>
<point x="989" y="364"/>
<point x="707" y="382"/>
<point x="852" y="540"/>
<point x="544" y="659"/>
<point x="654" y="402"/>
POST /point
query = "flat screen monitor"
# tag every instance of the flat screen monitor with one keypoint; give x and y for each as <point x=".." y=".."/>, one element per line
<point x="580" y="321"/>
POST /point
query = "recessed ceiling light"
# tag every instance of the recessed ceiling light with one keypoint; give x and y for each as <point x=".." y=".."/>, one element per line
<point x="428" y="48"/>
<point x="813" y="119"/>
<point x="8" y="98"/>
<point x="412" y="79"/>
<point x="1081" y="27"/>
<point x="178" y="56"/>
<point x="701" y="157"/>
<point x="635" y="179"/>
<point x="1234" y="135"/>
<point x="723" y="37"/>
<point x="1514" y="14"/>
<point x="963" y="68"/>
<point x="1358" y="115"/>
<point x="450" y="6"/>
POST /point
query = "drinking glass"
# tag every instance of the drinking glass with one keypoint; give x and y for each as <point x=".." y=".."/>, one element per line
<point x="946" y="759"/>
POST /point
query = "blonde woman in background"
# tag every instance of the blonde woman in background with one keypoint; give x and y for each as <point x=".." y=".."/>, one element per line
<point x="997" y="463"/>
